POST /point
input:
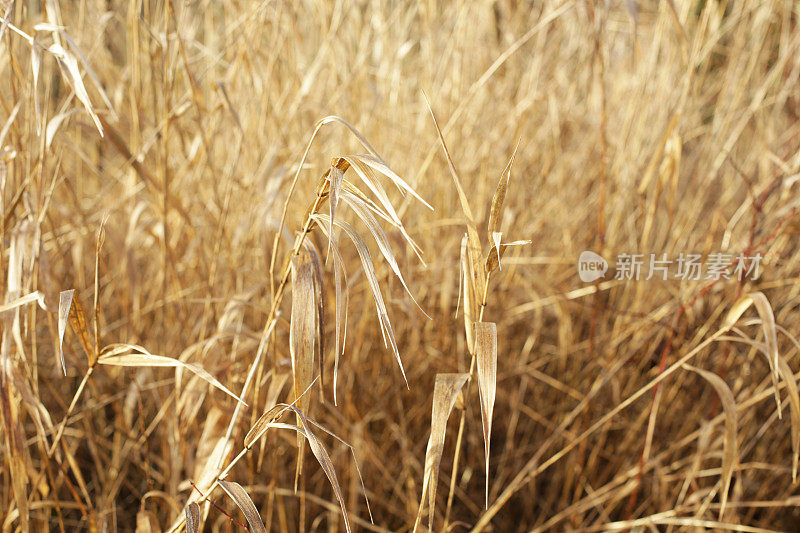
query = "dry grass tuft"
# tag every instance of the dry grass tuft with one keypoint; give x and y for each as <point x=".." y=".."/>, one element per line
<point x="303" y="266"/>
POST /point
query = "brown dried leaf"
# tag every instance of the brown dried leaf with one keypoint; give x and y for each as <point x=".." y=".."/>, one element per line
<point x="245" y="503"/>
<point x="302" y="334"/>
<point x="319" y="300"/>
<point x="445" y="392"/>
<point x="486" y="359"/>
<point x="192" y="517"/>
<point x="77" y="319"/>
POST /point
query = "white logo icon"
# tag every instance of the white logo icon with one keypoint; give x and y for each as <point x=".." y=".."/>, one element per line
<point x="591" y="266"/>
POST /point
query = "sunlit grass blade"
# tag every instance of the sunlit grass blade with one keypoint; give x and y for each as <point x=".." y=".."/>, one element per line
<point x="372" y="279"/>
<point x="378" y="234"/>
<point x="129" y="355"/>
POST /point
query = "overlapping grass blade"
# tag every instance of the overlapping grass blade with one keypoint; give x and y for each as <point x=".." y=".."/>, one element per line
<point x="269" y="420"/>
<point x="474" y="248"/>
<point x="72" y="73"/>
<point x="363" y="212"/>
<point x="372" y="280"/>
<point x="764" y="310"/>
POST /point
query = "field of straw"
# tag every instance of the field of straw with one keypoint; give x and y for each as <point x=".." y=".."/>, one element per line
<point x="313" y="266"/>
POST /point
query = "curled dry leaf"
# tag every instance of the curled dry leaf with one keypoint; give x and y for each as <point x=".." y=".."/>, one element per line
<point x="496" y="207"/>
<point x="445" y="392"/>
<point x="70" y="309"/>
<point x="130" y="355"/>
<point x="730" y="454"/>
<point x="245" y="503"/>
<point x="64" y="306"/>
<point x="496" y="254"/>
<point x="486" y="359"/>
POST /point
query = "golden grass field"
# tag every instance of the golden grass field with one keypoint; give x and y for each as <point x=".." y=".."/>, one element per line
<point x="250" y="258"/>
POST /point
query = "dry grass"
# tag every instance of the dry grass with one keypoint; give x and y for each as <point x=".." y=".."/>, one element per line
<point x="237" y="192"/>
